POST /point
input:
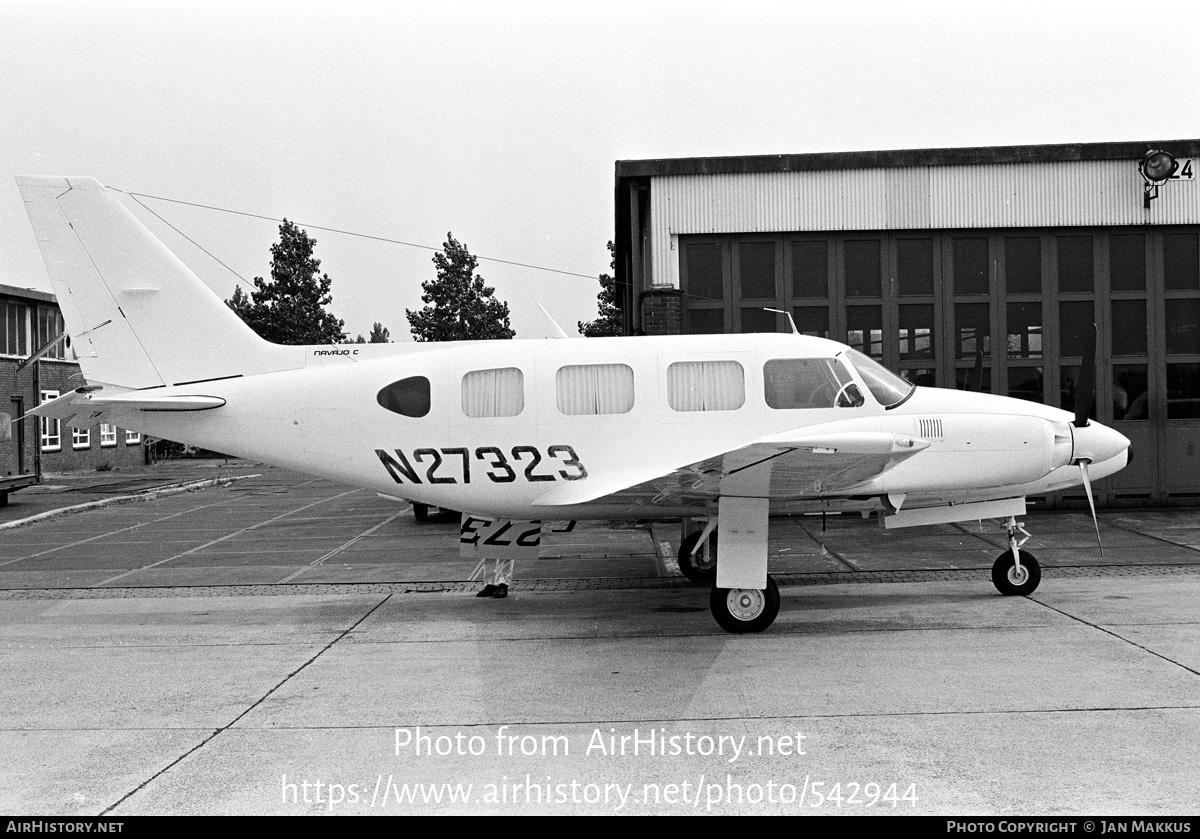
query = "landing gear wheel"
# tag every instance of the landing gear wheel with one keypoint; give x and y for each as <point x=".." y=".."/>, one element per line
<point x="745" y="609"/>
<point x="698" y="568"/>
<point x="420" y="511"/>
<point x="1008" y="580"/>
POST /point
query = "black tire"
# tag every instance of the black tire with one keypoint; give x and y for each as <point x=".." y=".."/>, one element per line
<point x="745" y="610"/>
<point x="420" y="511"/>
<point x="695" y="568"/>
<point x="1008" y="582"/>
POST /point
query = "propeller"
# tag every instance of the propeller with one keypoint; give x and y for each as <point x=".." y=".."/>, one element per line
<point x="978" y="371"/>
<point x="1085" y="394"/>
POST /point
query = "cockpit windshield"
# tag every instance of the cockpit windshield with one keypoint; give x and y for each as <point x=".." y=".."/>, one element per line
<point x="887" y="388"/>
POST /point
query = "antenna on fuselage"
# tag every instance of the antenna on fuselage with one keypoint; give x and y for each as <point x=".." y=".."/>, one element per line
<point x="791" y="319"/>
<point x="553" y="322"/>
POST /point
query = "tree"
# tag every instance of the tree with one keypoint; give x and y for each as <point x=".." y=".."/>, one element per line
<point x="379" y="334"/>
<point x="290" y="307"/>
<point x="459" y="307"/>
<point x="609" y="323"/>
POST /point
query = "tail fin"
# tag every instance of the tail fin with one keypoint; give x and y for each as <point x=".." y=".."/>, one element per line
<point x="136" y="315"/>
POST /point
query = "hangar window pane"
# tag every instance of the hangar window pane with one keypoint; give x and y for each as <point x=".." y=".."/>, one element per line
<point x="916" y="331"/>
<point x="1023" y="265"/>
<point x="408" y="397"/>
<point x="793" y="383"/>
<point x="1183" y="327"/>
<point x="706" y="321"/>
<point x="759" y="320"/>
<point x="493" y="393"/>
<point x="978" y="381"/>
<point x="864" y="329"/>
<point x="1127" y="262"/>
<point x="863" y="268"/>
<point x="705" y="271"/>
<point x="1181" y="268"/>
<point x="810" y="269"/>
<point x="1025" y="383"/>
<point x="920" y="376"/>
<point x="1129" y="327"/>
<point x="1068" y="385"/>
<point x="1183" y="391"/>
<point x="1075" y="319"/>
<point x="1025" y="330"/>
<point x="973" y="329"/>
<point x="756" y="270"/>
<point x="1130" y="392"/>
<point x="595" y="389"/>
<point x="970" y="266"/>
<point x="914" y="266"/>
<point x="706" y="386"/>
<point x="1075" y="265"/>
<point x="812" y="320"/>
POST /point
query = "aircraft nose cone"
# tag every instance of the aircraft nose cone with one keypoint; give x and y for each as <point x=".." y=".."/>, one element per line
<point x="1097" y="443"/>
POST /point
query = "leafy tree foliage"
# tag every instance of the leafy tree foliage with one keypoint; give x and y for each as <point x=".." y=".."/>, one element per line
<point x="289" y="308"/>
<point x="609" y="322"/>
<point x="379" y="334"/>
<point x="459" y="307"/>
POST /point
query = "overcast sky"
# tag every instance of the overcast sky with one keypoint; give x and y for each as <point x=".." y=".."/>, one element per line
<point x="501" y="122"/>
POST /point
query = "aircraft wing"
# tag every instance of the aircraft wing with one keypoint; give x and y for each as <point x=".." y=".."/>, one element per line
<point x="87" y="406"/>
<point x="781" y="467"/>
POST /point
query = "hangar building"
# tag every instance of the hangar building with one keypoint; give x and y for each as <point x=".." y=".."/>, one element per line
<point x="926" y="258"/>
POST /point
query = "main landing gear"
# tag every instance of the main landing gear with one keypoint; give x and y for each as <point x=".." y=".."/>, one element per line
<point x="1016" y="571"/>
<point x="741" y="610"/>
<point x="736" y="610"/>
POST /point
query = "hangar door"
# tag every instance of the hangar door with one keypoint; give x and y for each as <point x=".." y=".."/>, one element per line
<point x="924" y="302"/>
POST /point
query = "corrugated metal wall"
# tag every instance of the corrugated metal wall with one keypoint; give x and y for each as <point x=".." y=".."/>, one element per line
<point x="1059" y="194"/>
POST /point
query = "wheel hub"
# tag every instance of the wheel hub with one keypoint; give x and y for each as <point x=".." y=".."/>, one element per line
<point x="746" y="604"/>
<point x="1017" y="576"/>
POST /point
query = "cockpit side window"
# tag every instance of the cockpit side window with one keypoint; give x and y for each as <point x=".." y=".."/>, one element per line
<point x="792" y="383"/>
<point x="888" y="389"/>
<point x="408" y="397"/>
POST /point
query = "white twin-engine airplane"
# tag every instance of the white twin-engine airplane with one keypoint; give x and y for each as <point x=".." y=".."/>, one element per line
<point x="722" y="429"/>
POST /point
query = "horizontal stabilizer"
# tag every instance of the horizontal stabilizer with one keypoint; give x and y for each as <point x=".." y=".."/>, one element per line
<point x="87" y="406"/>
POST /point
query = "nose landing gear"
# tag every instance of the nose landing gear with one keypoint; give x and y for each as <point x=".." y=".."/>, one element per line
<point x="1016" y="572"/>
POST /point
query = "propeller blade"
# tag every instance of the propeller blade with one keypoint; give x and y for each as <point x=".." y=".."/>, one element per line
<point x="978" y="372"/>
<point x="1085" y="392"/>
<point x="1087" y="486"/>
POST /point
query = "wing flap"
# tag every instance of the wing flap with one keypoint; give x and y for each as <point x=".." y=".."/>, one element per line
<point x="782" y="467"/>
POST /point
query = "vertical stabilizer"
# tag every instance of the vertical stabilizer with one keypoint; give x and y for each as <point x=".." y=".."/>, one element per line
<point x="136" y="315"/>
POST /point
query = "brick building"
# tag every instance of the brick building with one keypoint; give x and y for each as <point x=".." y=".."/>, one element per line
<point x="36" y="365"/>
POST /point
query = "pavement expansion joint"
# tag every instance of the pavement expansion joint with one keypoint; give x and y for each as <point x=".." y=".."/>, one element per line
<point x="552" y="585"/>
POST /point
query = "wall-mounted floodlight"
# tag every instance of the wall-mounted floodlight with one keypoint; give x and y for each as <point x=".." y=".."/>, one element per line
<point x="1156" y="167"/>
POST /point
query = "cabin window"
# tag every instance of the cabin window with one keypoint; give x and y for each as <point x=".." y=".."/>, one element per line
<point x="706" y="386"/>
<point x="408" y="397"/>
<point x="790" y="383"/>
<point x="493" y="393"/>
<point x="595" y="389"/>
